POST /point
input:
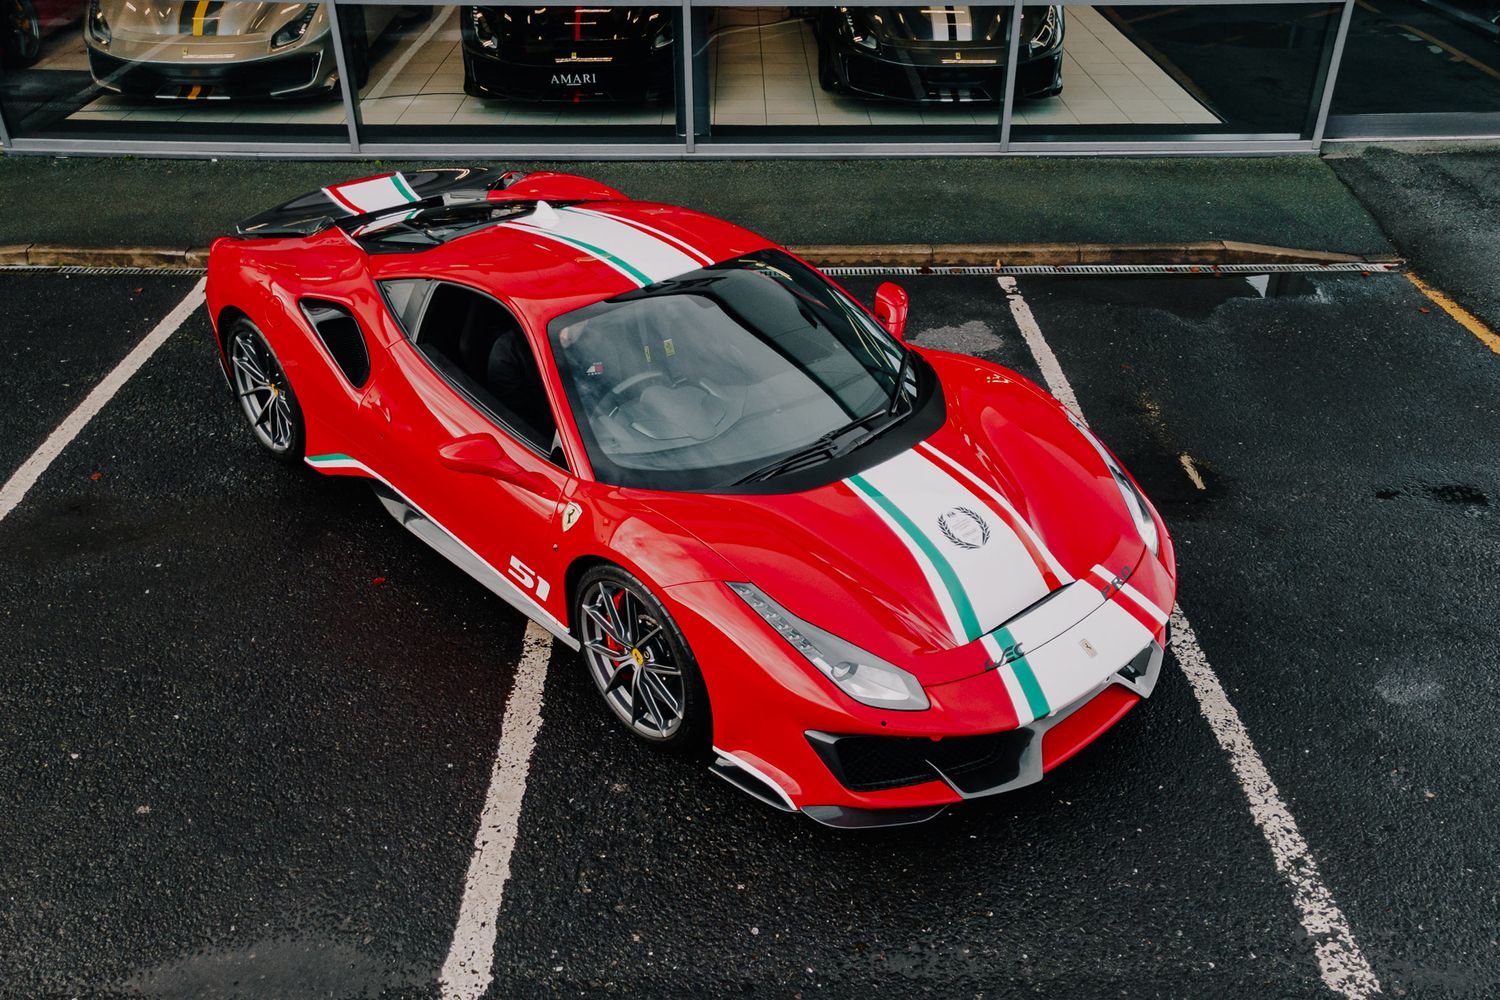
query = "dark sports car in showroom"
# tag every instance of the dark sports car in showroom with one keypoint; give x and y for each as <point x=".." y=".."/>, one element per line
<point x="934" y="54"/>
<point x="569" y="54"/>
<point x="213" y="49"/>
<point x="863" y="579"/>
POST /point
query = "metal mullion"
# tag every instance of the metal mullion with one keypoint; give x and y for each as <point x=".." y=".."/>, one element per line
<point x="1331" y="74"/>
<point x="1011" y="69"/>
<point x="689" y="117"/>
<point x="4" y="135"/>
<point x="346" y="83"/>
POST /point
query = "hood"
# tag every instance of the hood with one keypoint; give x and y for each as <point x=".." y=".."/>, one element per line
<point x="562" y="25"/>
<point x="211" y="19"/>
<point x="940" y="25"/>
<point x="918" y="556"/>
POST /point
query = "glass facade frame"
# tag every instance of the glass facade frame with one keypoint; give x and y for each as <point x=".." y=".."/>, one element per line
<point x="694" y="136"/>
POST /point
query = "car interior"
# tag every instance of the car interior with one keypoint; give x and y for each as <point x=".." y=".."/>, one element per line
<point x="479" y="347"/>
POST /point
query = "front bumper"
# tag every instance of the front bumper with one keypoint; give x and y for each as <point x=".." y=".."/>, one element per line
<point x="788" y="737"/>
<point x="927" y="77"/>
<point x="301" y="71"/>
<point x="572" y="75"/>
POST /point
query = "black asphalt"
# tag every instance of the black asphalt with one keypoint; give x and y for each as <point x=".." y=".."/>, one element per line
<point x="237" y="765"/>
<point x="1440" y="206"/>
<point x="58" y="345"/>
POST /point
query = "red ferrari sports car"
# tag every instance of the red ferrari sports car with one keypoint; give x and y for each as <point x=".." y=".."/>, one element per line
<point x="874" y="579"/>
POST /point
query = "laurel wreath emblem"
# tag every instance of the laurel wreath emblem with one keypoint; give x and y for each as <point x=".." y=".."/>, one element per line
<point x="965" y="543"/>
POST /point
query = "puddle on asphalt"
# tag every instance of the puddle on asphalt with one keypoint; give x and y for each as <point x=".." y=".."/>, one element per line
<point x="1471" y="498"/>
<point x="1194" y="295"/>
<point x="277" y="969"/>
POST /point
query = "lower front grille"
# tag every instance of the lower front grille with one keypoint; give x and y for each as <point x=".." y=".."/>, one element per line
<point x="970" y="763"/>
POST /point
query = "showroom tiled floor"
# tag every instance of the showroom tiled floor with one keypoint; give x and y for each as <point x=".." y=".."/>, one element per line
<point x="764" y="72"/>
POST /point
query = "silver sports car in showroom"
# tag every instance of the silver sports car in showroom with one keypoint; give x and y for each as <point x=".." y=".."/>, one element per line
<point x="208" y="49"/>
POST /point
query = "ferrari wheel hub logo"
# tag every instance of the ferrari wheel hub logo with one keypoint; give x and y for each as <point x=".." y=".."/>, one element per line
<point x="964" y="528"/>
<point x="637" y="658"/>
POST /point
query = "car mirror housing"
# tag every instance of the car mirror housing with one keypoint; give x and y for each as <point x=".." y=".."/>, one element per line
<point x="891" y="305"/>
<point x="482" y="455"/>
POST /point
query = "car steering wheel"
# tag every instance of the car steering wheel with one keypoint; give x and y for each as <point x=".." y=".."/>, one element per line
<point x="635" y="380"/>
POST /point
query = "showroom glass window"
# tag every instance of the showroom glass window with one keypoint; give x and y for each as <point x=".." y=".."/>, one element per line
<point x="1194" y="71"/>
<point x="161" y="70"/>
<point x="1419" y="66"/>
<point x="514" y="74"/>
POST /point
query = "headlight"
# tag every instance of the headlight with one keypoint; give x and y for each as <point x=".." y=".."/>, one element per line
<point x="295" y="29"/>
<point x="99" y="25"/>
<point x="1048" y="33"/>
<point x="1140" y="510"/>
<point x="867" y="679"/>
<point x="863" y="40"/>
<point x="483" y="33"/>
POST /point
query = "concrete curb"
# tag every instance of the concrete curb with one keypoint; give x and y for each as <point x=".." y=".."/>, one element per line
<point x="934" y="256"/>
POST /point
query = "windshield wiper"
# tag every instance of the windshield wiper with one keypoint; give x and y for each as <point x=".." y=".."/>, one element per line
<point x="823" y="449"/>
<point x="900" y="381"/>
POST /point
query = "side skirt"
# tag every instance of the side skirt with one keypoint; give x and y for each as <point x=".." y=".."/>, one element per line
<point x="450" y="548"/>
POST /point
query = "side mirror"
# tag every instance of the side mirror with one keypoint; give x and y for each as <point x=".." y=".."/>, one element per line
<point x="891" y="305"/>
<point x="482" y="455"/>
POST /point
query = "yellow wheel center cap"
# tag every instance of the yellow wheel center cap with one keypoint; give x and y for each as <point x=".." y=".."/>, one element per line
<point x="636" y="657"/>
<point x="275" y="392"/>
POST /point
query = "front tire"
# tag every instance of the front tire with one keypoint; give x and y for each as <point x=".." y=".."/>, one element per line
<point x="264" y="393"/>
<point x="21" y="42"/>
<point x="827" y="77"/>
<point x="640" y="661"/>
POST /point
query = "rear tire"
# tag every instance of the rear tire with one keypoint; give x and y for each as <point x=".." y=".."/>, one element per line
<point x="264" y="393"/>
<point x="640" y="662"/>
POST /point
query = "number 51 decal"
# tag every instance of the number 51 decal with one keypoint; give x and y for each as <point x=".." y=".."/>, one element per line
<point x="528" y="580"/>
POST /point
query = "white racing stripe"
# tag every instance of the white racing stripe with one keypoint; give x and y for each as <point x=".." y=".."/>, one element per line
<point x="686" y="248"/>
<point x="1065" y="668"/>
<point x="639" y="255"/>
<point x="996" y="577"/>
<point x="31" y="470"/>
<point x="371" y="194"/>
<point x="999" y="498"/>
<point x="1341" y="963"/>
<point x="469" y="968"/>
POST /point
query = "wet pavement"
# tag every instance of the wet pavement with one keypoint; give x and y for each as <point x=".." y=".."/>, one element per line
<point x="248" y="722"/>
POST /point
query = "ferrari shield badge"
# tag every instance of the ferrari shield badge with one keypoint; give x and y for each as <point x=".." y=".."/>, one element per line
<point x="571" y="513"/>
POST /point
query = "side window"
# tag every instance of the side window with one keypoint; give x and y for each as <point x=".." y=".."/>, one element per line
<point x="479" y="347"/>
<point x="341" y="334"/>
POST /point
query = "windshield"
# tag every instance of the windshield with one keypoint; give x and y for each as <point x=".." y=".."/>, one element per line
<point x="697" y="382"/>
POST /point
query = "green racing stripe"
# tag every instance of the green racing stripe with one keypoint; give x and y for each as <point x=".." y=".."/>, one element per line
<point x="1025" y="676"/>
<point x="966" y="616"/>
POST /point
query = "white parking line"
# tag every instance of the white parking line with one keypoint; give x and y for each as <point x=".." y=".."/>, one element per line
<point x="31" y="470"/>
<point x="1341" y="963"/>
<point x="469" y="967"/>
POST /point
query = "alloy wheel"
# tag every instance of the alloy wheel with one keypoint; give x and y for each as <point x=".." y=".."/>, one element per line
<point x="632" y="661"/>
<point x="261" y="387"/>
<point x="24" y="29"/>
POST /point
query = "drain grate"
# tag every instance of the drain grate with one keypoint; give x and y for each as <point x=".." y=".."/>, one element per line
<point x="884" y="271"/>
<point x="185" y="272"/>
<point x="1119" y="269"/>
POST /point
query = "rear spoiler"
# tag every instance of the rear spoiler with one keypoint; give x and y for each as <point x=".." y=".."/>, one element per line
<point x="353" y="202"/>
